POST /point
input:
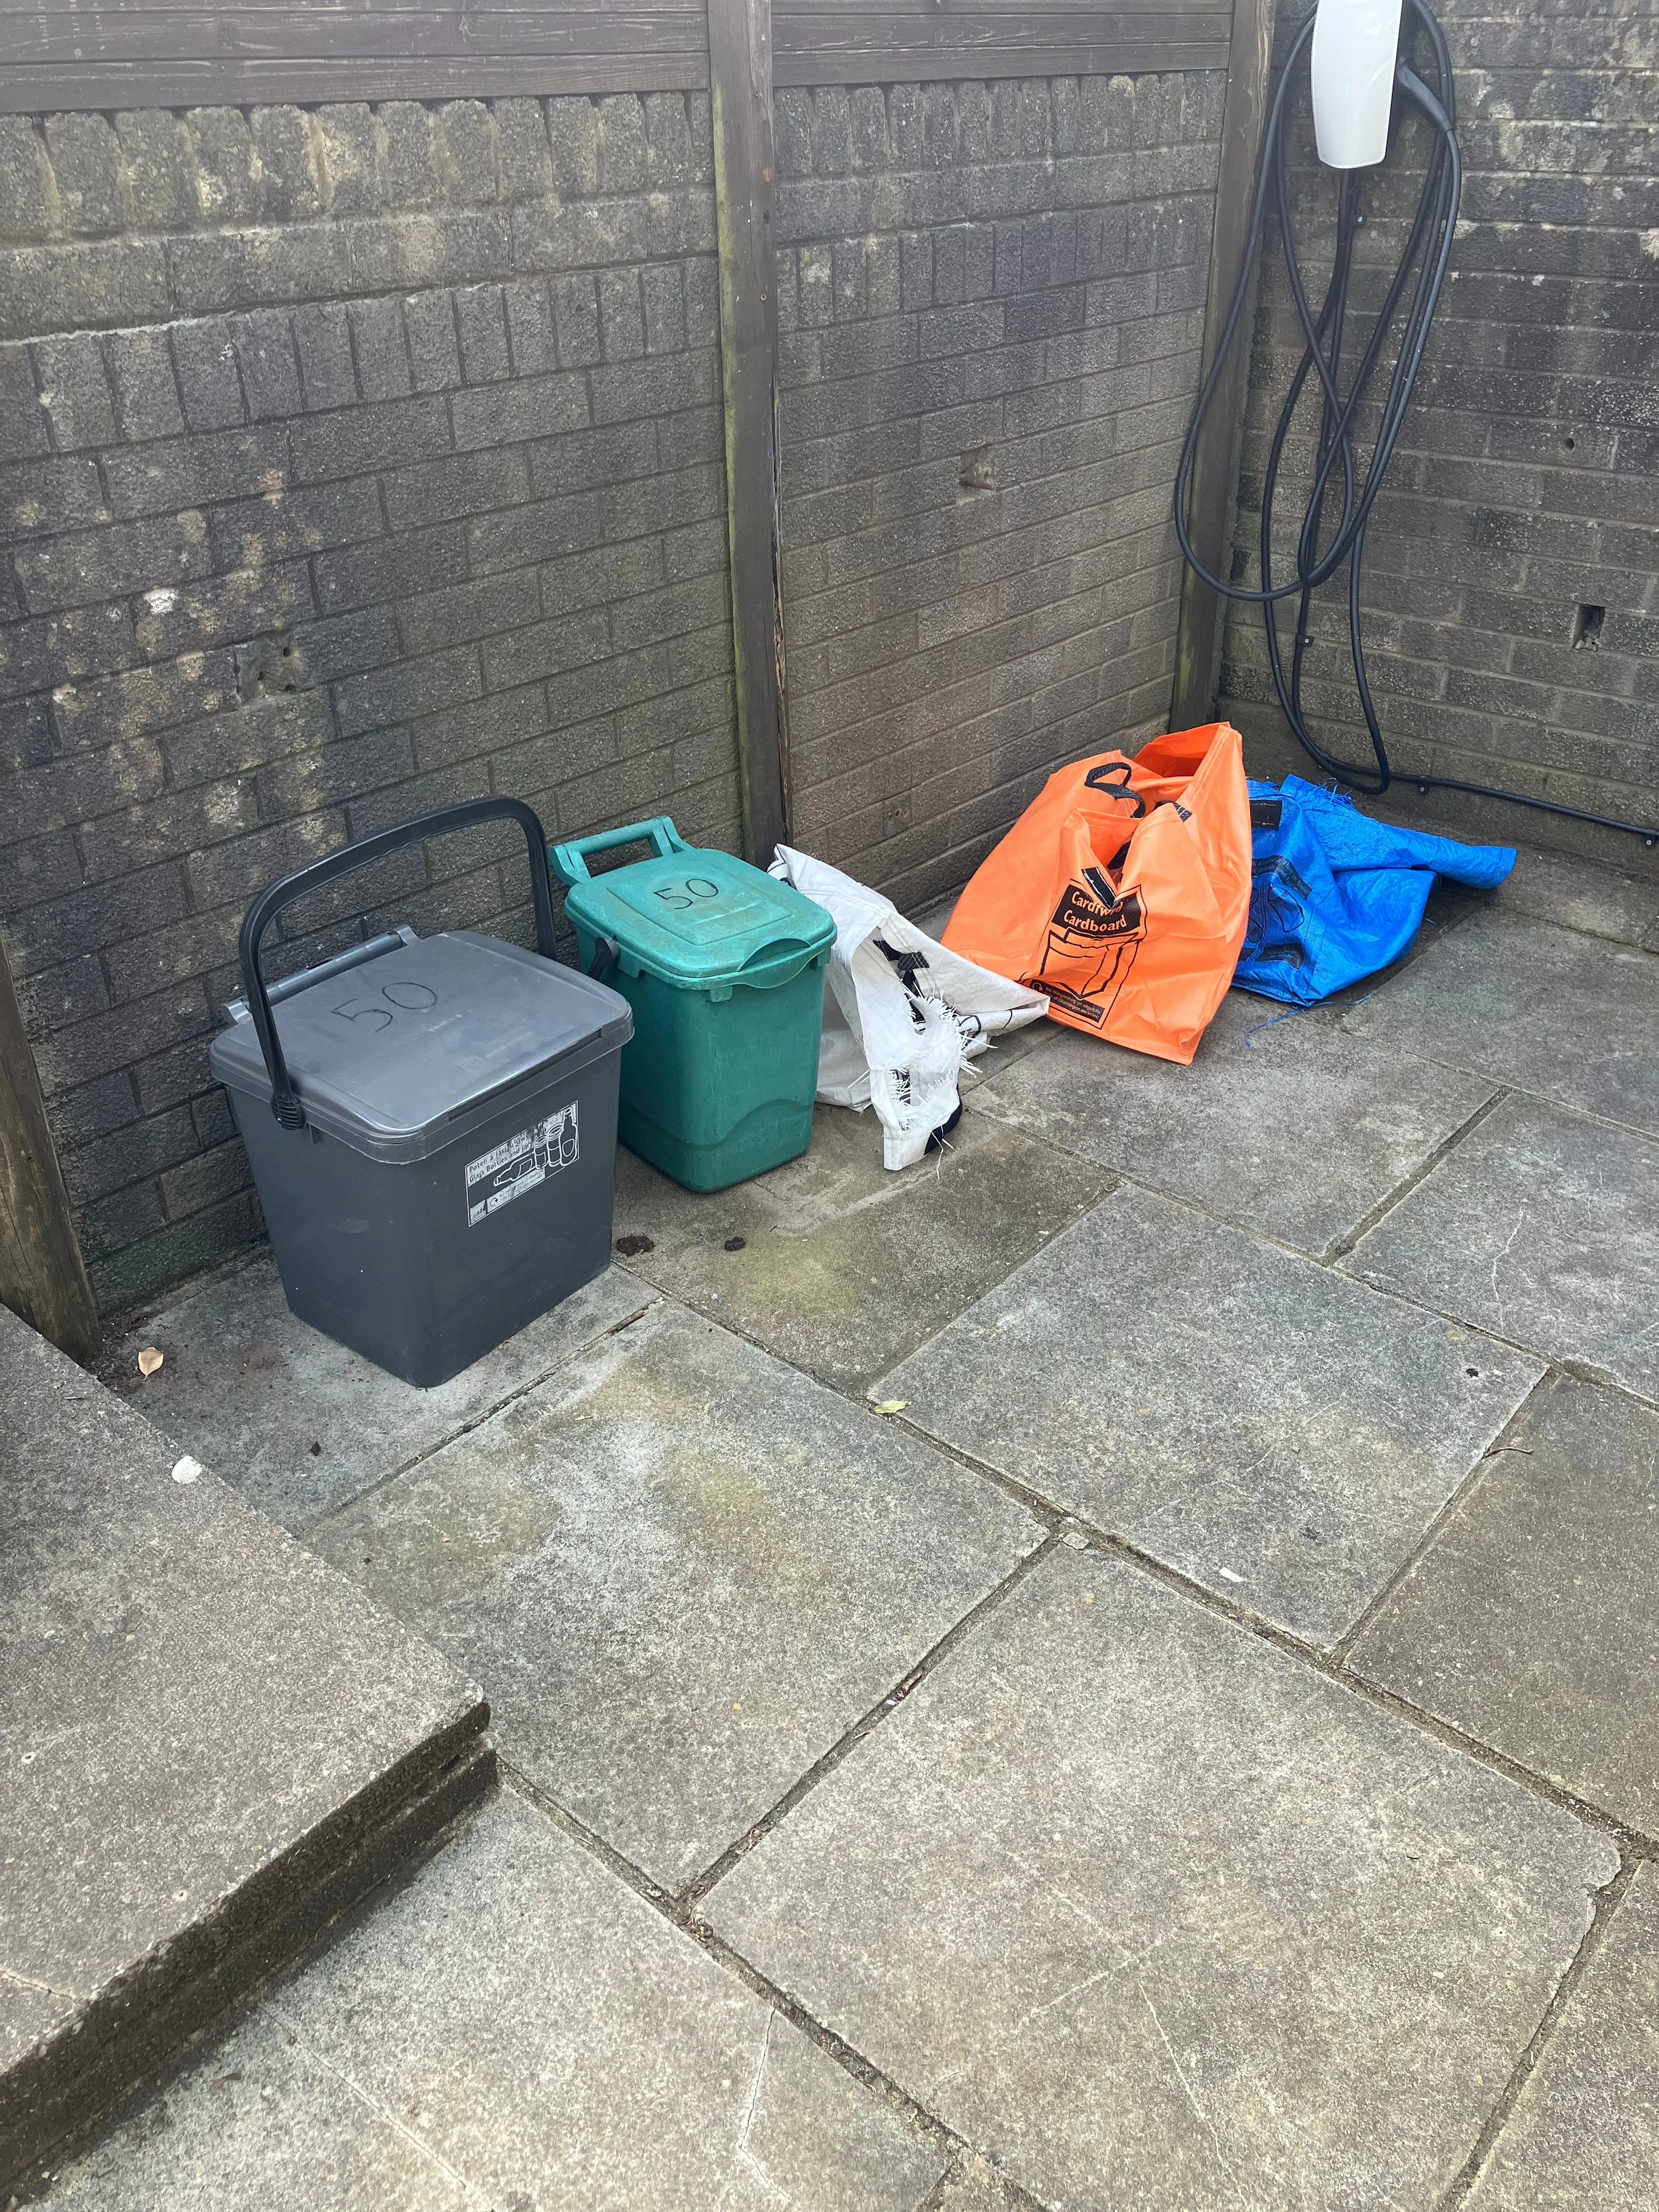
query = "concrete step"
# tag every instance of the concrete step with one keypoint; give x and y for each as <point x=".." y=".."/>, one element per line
<point x="211" y="1744"/>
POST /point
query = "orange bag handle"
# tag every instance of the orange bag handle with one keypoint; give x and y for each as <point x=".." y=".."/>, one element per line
<point x="1113" y="777"/>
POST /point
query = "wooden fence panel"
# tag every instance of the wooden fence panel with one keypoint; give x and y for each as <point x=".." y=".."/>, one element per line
<point x="851" y="42"/>
<point x="740" y="77"/>
<point x="42" y="1278"/>
<point x="57" y="54"/>
<point x="134" y="53"/>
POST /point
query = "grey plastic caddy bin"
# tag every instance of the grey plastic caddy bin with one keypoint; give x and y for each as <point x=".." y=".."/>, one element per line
<point x="432" y="1121"/>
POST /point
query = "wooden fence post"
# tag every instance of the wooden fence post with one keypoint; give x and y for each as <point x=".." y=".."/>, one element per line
<point x="42" y="1278"/>
<point x="1215" y="465"/>
<point x="741" y="84"/>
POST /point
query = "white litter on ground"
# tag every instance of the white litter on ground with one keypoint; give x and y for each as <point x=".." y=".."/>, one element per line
<point x="902" y="1014"/>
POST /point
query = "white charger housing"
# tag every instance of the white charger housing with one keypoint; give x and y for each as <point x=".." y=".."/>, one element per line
<point x="1355" y="43"/>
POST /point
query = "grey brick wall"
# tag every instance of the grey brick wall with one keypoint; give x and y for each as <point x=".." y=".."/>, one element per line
<point x="354" y="459"/>
<point x="991" y="300"/>
<point x="351" y="461"/>
<point x="1524" y="487"/>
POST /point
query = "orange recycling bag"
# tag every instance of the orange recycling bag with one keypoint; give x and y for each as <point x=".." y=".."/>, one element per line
<point x="1122" y="891"/>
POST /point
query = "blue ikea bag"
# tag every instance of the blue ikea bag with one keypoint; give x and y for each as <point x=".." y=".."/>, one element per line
<point x="1333" y="894"/>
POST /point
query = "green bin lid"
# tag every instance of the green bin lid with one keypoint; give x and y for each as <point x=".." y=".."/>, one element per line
<point x="690" y="917"/>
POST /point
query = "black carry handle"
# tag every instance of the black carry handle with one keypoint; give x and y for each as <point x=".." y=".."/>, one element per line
<point x="284" y="1100"/>
<point x="1114" y="777"/>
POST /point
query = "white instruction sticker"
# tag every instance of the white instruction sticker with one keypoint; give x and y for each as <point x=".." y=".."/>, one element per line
<point x="508" y="1170"/>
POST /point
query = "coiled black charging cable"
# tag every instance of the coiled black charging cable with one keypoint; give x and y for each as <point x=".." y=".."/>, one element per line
<point x="1428" y="249"/>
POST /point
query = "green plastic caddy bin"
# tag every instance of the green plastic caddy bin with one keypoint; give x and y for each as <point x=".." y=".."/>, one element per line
<point x="724" y="967"/>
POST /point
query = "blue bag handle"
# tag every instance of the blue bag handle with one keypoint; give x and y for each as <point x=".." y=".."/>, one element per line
<point x="570" y="860"/>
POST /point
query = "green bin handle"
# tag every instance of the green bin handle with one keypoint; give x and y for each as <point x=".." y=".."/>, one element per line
<point x="570" y="861"/>
<point x="779" y="963"/>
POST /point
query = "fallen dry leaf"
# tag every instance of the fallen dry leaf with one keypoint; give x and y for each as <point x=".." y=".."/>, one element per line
<point x="888" y="1407"/>
<point x="149" y="1360"/>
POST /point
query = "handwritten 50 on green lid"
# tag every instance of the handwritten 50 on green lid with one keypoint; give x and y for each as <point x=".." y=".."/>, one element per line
<point x="690" y="916"/>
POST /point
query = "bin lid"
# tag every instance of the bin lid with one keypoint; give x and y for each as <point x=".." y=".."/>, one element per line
<point x="699" y="918"/>
<point x="389" y="1054"/>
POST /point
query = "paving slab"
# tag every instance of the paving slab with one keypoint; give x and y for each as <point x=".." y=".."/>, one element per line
<point x="1584" y="2130"/>
<point x="1543" y="1227"/>
<point x="844" y="1266"/>
<point x="297" y="1422"/>
<point x="257" y="2124"/>
<point x="1232" y="1409"/>
<point x="210" y="1742"/>
<point x="1154" y="1914"/>
<point x="1571" y="1018"/>
<point x="1529" y="1623"/>
<point x="682" y="1571"/>
<point x="974" y="2185"/>
<point x="513" y="2028"/>
<point x="1601" y="901"/>
<point x="1281" y="1123"/>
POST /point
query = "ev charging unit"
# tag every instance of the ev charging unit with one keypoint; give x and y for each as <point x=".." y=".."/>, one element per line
<point x="1352" y="76"/>
<point x="1361" y="60"/>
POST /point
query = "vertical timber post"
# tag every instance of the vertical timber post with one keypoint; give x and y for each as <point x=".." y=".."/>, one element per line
<point x="740" y="85"/>
<point x="1215" y="465"/>
<point x="42" y="1278"/>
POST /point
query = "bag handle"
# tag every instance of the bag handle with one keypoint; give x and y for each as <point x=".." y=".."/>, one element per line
<point x="284" y="1100"/>
<point x="1112" y="776"/>
<point x="570" y="860"/>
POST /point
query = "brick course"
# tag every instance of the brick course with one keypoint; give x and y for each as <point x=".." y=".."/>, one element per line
<point x="1524" y="485"/>
<point x="356" y="459"/>
<point x="991" y="303"/>
<point x="344" y="472"/>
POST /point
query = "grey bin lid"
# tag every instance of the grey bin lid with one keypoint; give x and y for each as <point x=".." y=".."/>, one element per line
<point x="389" y="1055"/>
